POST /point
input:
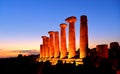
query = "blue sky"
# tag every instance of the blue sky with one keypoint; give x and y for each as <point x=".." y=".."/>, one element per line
<point x="23" y="22"/>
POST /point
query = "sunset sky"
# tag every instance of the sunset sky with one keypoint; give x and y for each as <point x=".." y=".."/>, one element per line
<point x="23" y="22"/>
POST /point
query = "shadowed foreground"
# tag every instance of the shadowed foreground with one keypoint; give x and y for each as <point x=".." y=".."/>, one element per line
<point x="28" y="65"/>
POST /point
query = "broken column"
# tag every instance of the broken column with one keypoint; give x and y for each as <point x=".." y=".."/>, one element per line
<point x="102" y="50"/>
<point x="83" y="36"/>
<point x="71" y="39"/>
<point x="51" y="49"/>
<point x="56" y="51"/>
<point x="114" y="45"/>
<point x="63" y="40"/>
<point x="114" y="49"/>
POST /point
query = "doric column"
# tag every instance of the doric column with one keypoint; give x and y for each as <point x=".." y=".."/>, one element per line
<point x="72" y="43"/>
<point x="56" y="52"/>
<point x="41" y="51"/>
<point x="47" y="45"/>
<point x="63" y="40"/>
<point x="83" y="36"/>
<point x="102" y="50"/>
<point x="51" y="51"/>
<point x="44" y="46"/>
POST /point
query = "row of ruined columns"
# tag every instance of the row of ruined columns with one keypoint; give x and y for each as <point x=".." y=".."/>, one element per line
<point x="50" y="48"/>
<point x="49" y="44"/>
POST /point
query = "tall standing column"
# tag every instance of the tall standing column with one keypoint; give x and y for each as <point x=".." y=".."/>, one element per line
<point x="47" y="46"/>
<point x="63" y="40"/>
<point x="51" y="51"/>
<point x="57" y="52"/>
<point x="83" y="36"/>
<point x="44" y="46"/>
<point x="41" y="51"/>
<point x="72" y="43"/>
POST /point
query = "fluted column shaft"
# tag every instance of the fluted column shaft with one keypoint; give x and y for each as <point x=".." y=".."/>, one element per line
<point x="41" y="51"/>
<point x="44" y="46"/>
<point x="47" y="45"/>
<point x="51" y="51"/>
<point x="72" y="43"/>
<point x="57" y="52"/>
<point x="63" y="40"/>
<point x="83" y="36"/>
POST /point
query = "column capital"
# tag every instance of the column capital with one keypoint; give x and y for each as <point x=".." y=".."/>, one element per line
<point x="51" y="32"/>
<point x="83" y="18"/>
<point x="63" y="25"/>
<point x="71" y="19"/>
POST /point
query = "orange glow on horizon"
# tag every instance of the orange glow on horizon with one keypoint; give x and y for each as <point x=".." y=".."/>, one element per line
<point x="6" y="54"/>
<point x="34" y="44"/>
<point x="6" y="47"/>
<point x="14" y="53"/>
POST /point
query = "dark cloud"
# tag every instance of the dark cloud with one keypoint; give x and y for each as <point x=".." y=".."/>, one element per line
<point x="27" y="51"/>
<point x="14" y="51"/>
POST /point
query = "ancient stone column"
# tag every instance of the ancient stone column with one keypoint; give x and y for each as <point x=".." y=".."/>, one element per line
<point x="63" y="40"/>
<point x="44" y="46"/>
<point x="51" y="49"/>
<point x="71" y="39"/>
<point x="83" y="36"/>
<point x="102" y="50"/>
<point x="56" y="51"/>
<point x="47" y="46"/>
<point x="41" y="51"/>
